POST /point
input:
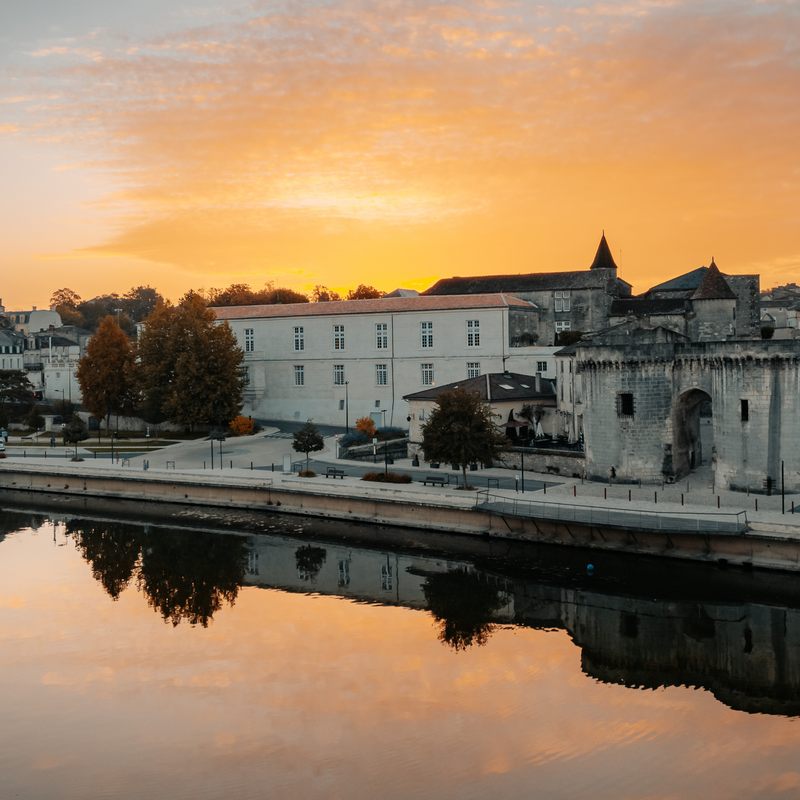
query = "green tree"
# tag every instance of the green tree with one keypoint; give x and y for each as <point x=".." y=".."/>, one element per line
<point x="566" y="338"/>
<point x="105" y="373"/>
<point x="461" y="430"/>
<point x="364" y="292"/>
<point x="65" y="298"/>
<point x="322" y="294"/>
<point x="4" y="418"/>
<point x="189" y="367"/>
<point x="75" y="432"/>
<point x="308" y="440"/>
<point x="140" y="302"/>
<point x="34" y="420"/>
<point x="15" y="387"/>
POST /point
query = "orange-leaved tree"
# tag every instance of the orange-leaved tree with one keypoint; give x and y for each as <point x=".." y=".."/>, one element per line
<point x="366" y="426"/>
<point x="105" y="373"/>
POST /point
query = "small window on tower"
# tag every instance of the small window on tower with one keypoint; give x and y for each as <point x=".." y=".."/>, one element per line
<point x="745" y="411"/>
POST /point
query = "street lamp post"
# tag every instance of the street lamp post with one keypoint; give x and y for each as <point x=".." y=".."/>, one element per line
<point x="119" y="311"/>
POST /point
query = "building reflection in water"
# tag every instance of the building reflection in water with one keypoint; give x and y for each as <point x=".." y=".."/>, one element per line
<point x="747" y="653"/>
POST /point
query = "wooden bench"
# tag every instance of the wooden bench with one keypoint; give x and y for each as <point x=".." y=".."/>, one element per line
<point x="436" y="480"/>
<point x="334" y="473"/>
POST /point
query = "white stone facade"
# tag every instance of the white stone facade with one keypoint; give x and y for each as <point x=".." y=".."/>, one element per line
<point x="336" y="362"/>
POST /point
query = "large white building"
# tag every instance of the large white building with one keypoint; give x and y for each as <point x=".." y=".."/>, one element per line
<point x="335" y="362"/>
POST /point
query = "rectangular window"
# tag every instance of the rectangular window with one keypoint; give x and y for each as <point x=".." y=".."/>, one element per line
<point x="562" y="301"/>
<point x="377" y="404"/>
<point x="422" y="413"/>
<point x="541" y="366"/>
<point x="338" y="337"/>
<point x="386" y="577"/>
<point x="381" y="374"/>
<point x="745" y="411"/>
<point x="473" y="333"/>
<point x="625" y="405"/>
<point x="338" y="374"/>
<point x="427" y="374"/>
<point x="341" y="405"/>
<point x="249" y="340"/>
<point x="299" y="375"/>
<point x="426" y="331"/>
<point x="247" y="376"/>
<point x="382" y="336"/>
<point x="563" y="326"/>
<point x="473" y="369"/>
<point x="299" y="339"/>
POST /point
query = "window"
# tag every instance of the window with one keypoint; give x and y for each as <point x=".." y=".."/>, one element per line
<point x="386" y="577"/>
<point x="625" y="405"/>
<point x="249" y="340"/>
<point x="541" y="366"/>
<point x="745" y="411"/>
<point x="338" y="374"/>
<point x="426" y="330"/>
<point x="473" y="333"/>
<point x="427" y="374"/>
<point x="344" y="573"/>
<point x="338" y="337"/>
<point x="562" y="326"/>
<point x="381" y="374"/>
<point x="299" y="339"/>
<point x="422" y="413"/>
<point x="382" y="336"/>
<point x="341" y="405"/>
<point x="473" y="369"/>
<point x="562" y="301"/>
<point x="377" y="404"/>
<point x="247" y="376"/>
<point x="299" y="375"/>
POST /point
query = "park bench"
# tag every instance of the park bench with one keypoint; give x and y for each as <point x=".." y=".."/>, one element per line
<point x="334" y="473"/>
<point x="436" y="479"/>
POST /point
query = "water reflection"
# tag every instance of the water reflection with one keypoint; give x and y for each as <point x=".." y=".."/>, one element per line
<point x="463" y="604"/>
<point x="185" y="575"/>
<point x="746" y="653"/>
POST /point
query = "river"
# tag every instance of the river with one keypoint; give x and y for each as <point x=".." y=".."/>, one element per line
<point x="320" y="661"/>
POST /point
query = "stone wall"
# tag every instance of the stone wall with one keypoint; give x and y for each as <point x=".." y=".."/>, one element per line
<point x="753" y="388"/>
<point x="553" y="462"/>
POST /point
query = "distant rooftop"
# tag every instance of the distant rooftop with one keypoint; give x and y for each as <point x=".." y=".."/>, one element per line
<point x="494" y="387"/>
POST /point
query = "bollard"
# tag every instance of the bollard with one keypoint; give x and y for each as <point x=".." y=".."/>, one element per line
<point x="756" y="504"/>
<point x="204" y="465"/>
<point x="545" y="488"/>
<point x="717" y="501"/>
<point x="629" y="495"/>
<point x="655" y="497"/>
<point x="792" y="506"/>
<point x="575" y="493"/>
<point x="95" y="454"/>
<point x="605" y="493"/>
<point x="231" y="464"/>
<point x="681" y="498"/>
<point x="45" y="453"/>
<point x="273" y="466"/>
<point x="251" y="466"/>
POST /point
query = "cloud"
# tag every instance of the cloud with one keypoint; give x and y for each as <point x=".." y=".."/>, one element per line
<point x="289" y="138"/>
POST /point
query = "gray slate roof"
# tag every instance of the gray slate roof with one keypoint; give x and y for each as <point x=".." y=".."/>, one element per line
<point x="641" y="306"/>
<point x="529" y="282"/>
<point x="493" y="388"/>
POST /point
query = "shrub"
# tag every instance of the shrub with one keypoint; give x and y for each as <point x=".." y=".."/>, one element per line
<point x="307" y="473"/>
<point x="242" y="426"/>
<point x="386" y="477"/>
<point x="351" y="439"/>
<point x="366" y="426"/>
<point x="391" y="433"/>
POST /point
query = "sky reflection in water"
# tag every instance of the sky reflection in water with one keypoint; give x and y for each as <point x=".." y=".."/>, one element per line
<point x="190" y="685"/>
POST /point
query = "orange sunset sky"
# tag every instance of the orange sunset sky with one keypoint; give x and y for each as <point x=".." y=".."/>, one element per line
<point x="194" y="144"/>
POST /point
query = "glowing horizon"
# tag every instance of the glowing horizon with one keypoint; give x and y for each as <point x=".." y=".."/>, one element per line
<point x="392" y="144"/>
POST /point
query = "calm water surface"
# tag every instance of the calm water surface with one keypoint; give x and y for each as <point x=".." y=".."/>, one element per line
<point x="150" y="662"/>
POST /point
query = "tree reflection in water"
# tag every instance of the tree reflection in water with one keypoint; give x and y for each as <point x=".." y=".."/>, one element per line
<point x="463" y="604"/>
<point x="309" y="562"/>
<point x="185" y="575"/>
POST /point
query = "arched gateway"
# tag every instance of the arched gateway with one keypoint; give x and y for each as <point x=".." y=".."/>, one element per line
<point x="644" y="400"/>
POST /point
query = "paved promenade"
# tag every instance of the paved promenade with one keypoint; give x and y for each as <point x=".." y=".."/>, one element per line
<point x="693" y="495"/>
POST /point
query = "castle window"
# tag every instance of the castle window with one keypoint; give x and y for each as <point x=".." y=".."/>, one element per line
<point x="625" y="405"/>
<point x="745" y="411"/>
<point x="473" y="369"/>
<point x="562" y="301"/>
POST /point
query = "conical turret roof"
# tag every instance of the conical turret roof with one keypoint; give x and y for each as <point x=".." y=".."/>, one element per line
<point x="713" y="286"/>
<point x="603" y="258"/>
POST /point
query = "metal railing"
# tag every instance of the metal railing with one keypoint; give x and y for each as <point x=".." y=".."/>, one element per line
<point x="721" y="522"/>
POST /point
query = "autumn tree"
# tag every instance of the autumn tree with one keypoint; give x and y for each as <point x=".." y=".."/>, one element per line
<point x="66" y="303"/>
<point x="105" y="372"/>
<point x="189" y="367"/>
<point x="364" y="292"/>
<point x="308" y="440"/>
<point x="461" y="430"/>
<point x="139" y="302"/>
<point x="322" y="294"/>
<point x="366" y="426"/>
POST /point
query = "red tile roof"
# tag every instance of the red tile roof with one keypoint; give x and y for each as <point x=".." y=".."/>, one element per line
<point x="383" y="305"/>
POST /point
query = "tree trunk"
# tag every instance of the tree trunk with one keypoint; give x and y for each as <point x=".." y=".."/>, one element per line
<point x="464" y="473"/>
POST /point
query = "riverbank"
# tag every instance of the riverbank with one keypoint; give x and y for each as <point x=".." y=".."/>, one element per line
<point x="617" y="518"/>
